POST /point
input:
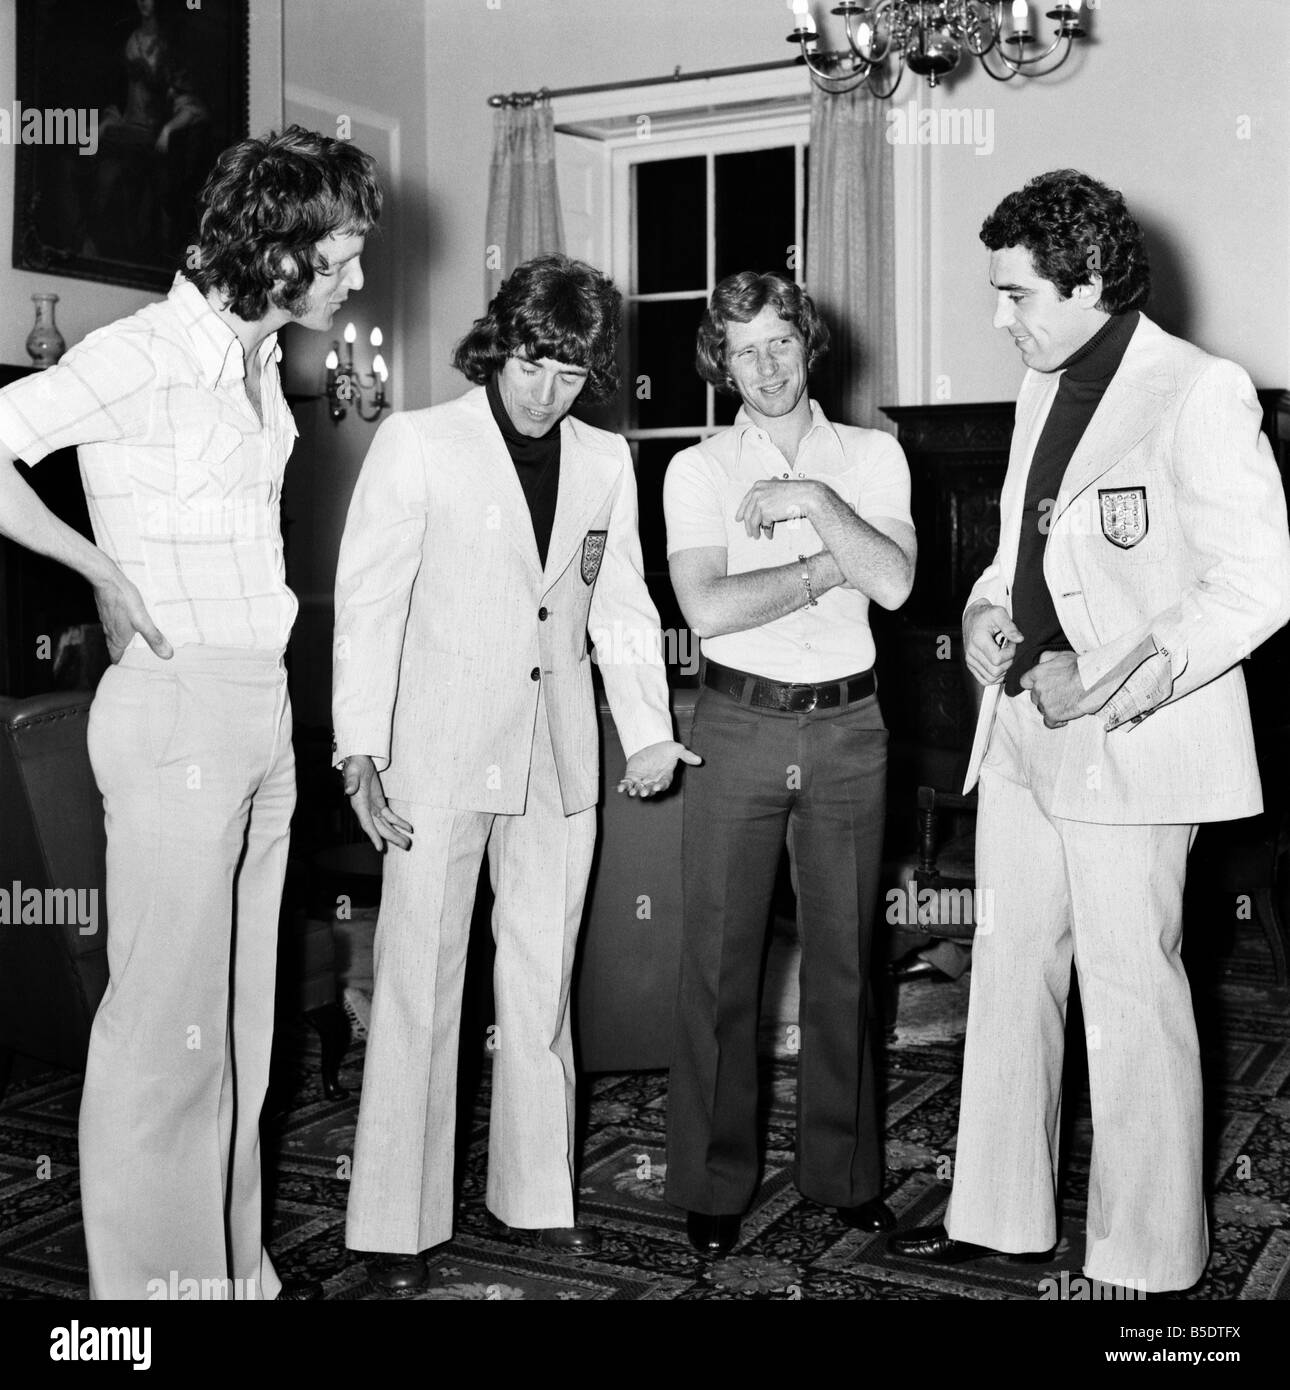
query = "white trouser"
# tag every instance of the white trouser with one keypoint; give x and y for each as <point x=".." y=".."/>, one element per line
<point x="1110" y="896"/>
<point x="401" y="1194"/>
<point x="194" y="760"/>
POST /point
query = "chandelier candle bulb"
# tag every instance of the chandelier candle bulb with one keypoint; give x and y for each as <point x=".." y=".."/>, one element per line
<point x="1020" y="22"/>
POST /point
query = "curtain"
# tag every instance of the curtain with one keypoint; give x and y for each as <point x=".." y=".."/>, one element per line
<point x="850" y="255"/>
<point x="523" y="201"/>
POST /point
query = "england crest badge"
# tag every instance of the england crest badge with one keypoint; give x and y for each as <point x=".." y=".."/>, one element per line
<point x="593" y="552"/>
<point x="1124" y="515"/>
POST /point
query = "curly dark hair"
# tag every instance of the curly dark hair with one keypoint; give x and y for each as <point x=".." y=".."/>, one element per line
<point x="742" y="297"/>
<point x="1074" y="227"/>
<point x="267" y="204"/>
<point x="551" y="306"/>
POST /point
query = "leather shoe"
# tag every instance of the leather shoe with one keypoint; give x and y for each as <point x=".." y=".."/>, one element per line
<point x="397" y="1273"/>
<point x="873" y="1215"/>
<point x="935" y="1243"/>
<point x="568" y="1240"/>
<point x="712" y="1235"/>
<point x="919" y="969"/>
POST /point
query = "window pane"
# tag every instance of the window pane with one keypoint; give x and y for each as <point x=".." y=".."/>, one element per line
<point x="652" y="459"/>
<point x="671" y="225"/>
<point x="755" y="210"/>
<point x="662" y="352"/>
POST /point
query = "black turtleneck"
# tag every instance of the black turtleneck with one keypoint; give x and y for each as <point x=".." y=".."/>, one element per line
<point x="1086" y="374"/>
<point x="537" y="464"/>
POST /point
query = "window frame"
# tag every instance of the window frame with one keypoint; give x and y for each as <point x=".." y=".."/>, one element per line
<point x="785" y="131"/>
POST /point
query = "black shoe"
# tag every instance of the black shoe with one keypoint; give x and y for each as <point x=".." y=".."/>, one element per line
<point x="559" y="1240"/>
<point x="299" y="1291"/>
<point x="397" y="1273"/>
<point x="873" y="1215"/>
<point x="934" y="1243"/>
<point x="712" y="1235"/>
<point x="919" y="969"/>
<point x="567" y="1240"/>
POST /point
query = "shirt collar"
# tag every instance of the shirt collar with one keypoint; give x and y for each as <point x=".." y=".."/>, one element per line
<point x="218" y="348"/>
<point x="819" y="421"/>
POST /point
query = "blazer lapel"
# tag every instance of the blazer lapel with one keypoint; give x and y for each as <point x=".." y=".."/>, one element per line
<point x="586" y="476"/>
<point x="1137" y="396"/>
<point x="1033" y="403"/>
<point x="494" y="472"/>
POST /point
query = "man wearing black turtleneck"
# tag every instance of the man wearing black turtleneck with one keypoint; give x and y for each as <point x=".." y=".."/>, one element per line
<point x="487" y="536"/>
<point x="1143" y="552"/>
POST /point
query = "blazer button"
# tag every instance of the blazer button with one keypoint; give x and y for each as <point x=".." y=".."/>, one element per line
<point x="542" y="615"/>
<point x="535" y="674"/>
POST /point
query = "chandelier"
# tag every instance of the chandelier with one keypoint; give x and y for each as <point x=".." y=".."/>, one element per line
<point x="929" y="37"/>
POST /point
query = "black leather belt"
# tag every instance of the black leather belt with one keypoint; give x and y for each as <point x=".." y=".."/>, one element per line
<point x="747" y="689"/>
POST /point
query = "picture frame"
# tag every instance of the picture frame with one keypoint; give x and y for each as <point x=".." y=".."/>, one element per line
<point x="122" y="108"/>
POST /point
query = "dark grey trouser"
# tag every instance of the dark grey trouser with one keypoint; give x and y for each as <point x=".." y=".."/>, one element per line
<point x="818" y="780"/>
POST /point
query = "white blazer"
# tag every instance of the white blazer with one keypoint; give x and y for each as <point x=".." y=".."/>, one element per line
<point x="446" y="622"/>
<point x="1170" y="521"/>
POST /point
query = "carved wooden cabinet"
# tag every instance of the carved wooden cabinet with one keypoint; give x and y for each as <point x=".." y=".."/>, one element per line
<point x="957" y="457"/>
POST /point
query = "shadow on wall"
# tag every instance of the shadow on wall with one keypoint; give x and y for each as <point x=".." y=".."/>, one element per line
<point x="1170" y="303"/>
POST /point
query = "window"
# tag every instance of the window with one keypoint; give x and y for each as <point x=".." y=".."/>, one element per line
<point x="669" y="204"/>
<point x="694" y="218"/>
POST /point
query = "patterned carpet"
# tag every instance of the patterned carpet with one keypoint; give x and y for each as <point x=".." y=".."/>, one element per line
<point x="790" y="1249"/>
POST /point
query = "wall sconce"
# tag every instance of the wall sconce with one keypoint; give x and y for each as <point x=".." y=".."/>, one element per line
<point x="345" y="386"/>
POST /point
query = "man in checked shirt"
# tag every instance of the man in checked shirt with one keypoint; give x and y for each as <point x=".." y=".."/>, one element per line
<point x="183" y="435"/>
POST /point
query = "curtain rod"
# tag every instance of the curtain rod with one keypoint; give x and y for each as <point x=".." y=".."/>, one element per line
<point x="546" y="93"/>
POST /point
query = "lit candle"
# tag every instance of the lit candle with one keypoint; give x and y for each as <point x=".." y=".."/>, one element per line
<point x="376" y="339"/>
<point x="332" y="361"/>
<point x="1021" y="16"/>
<point x="350" y="333"/>
<point x="379" y="368"/>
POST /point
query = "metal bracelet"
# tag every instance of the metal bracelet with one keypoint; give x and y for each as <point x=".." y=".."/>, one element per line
<point x="811" y="601"/>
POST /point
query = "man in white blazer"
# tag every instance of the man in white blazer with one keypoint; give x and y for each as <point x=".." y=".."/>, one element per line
<point x="1143" y="552"/>
<point x="484" y="537"/>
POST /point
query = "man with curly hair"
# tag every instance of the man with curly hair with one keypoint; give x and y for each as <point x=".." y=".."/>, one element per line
<point x="780" y="532"/>
<point x="183" y="435"/>
<point x="1143" y="552"/>
<point x="485" y="537"/>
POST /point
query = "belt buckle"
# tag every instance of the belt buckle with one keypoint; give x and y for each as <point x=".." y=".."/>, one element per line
<point x="815" y="699"/>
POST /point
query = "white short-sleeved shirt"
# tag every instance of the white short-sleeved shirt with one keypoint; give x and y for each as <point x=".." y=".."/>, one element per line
<point x="701" y="493"/>
<point x="183" y="483"/>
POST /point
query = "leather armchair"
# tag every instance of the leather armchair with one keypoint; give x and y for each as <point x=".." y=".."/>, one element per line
<point x="52" y="974"/>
